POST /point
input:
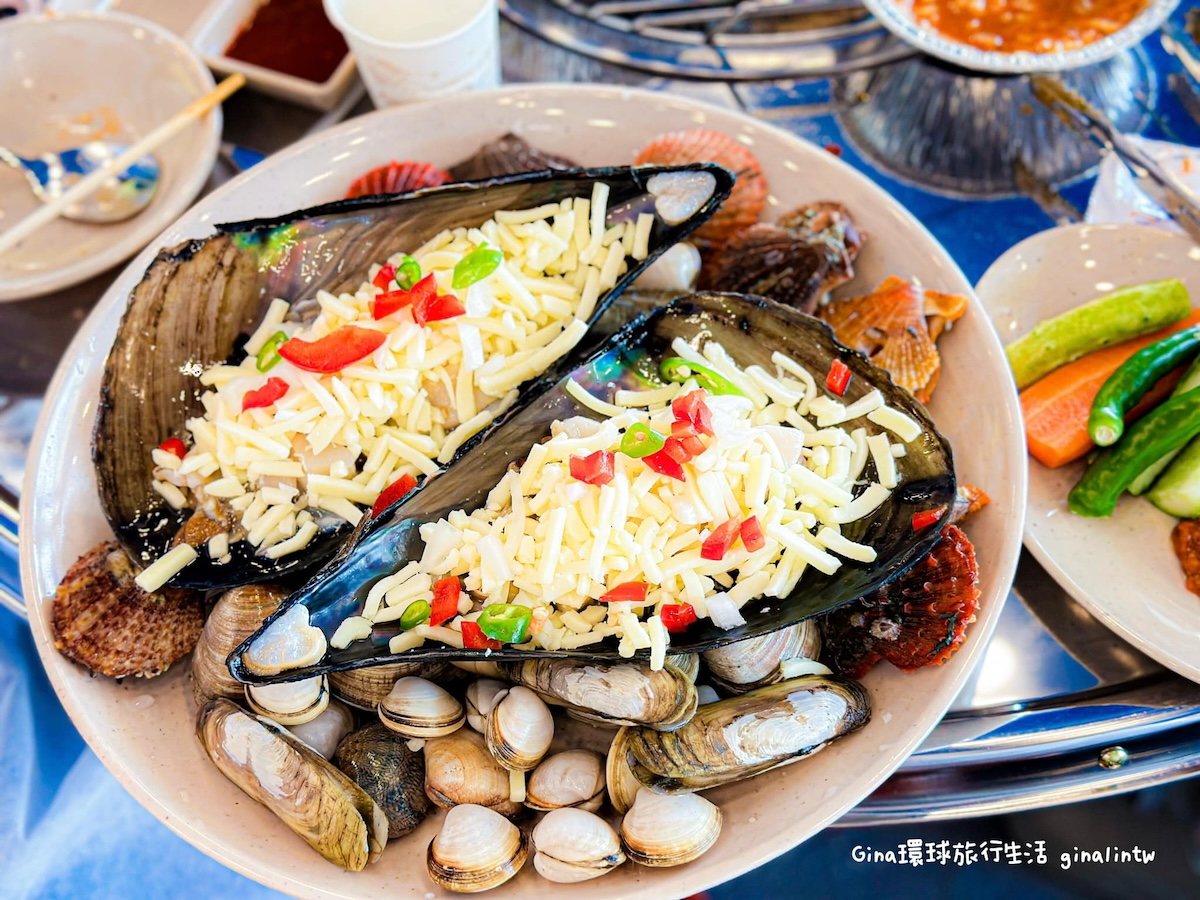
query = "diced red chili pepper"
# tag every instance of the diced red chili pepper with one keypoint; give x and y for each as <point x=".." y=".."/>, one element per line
<point x="595" y="468"/>
<point x="752" y="534"/>
<point x="838" y="378"/>
<point x="393" y="301"/>
<point x="684" y="444"/>
<point x="475" y="639"/>
<point x="691" y="408"/>
<point x="662" y="463"/>
<point x="717" y="544"/>
<point x="925" y="518"/>
<point x="437" y="308"/>
<point x="273" y="390"/>
<point x="393" y="492"/>
<point x="446" y="592"/>
<point x="676" y="617"/>
<point x="174" y="445"/>
<point x="384" y="277"/>
<point x="333" y="352"/>
<point x="630" y="591"/>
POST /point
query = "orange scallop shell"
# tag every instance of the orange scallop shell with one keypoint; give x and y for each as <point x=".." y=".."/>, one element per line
<point x="896" y="325"/>
<point x="749" y="196"/>
<point x="397" y="178"/>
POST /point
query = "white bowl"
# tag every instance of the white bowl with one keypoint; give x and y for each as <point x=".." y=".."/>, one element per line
<point x="896" y="16"/>
<point x="129" y="76"/>
<point x="218" y="25"/>
<point x="143" y="730"/>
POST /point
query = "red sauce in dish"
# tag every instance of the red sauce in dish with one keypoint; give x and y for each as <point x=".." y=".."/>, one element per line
<point x="290" y="36"/>
<point x="1033" y="26"/>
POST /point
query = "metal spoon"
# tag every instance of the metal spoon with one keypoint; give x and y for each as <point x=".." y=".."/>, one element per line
<point x="122" y="196"/>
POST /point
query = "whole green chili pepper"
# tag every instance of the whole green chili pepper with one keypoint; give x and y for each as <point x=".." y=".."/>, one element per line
<point x="1171" y="425"/>
<point x="679" y="370"/>
<point x="476" y="266"/>
<point x="1129" y="384"/>
<point x="268" y="354"/>
<point x="505" y="622"/>
<point x="408" y="273"/>
<point x="415" y="614"/>
<point x="641" y="440"/>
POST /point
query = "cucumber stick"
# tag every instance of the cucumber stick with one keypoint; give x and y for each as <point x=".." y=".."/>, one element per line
<point x="1191" y="379"/>
<point x="1120" y="316"/>
<point x="1177" y="492"/>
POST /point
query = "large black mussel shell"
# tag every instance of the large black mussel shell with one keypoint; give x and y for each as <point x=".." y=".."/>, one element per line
<point x="197" y="300"/>
<point x="750" y="329"/>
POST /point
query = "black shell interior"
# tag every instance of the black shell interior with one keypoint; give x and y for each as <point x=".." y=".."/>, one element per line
<point x="199" y="300"/>
<point x="750" y="329"/>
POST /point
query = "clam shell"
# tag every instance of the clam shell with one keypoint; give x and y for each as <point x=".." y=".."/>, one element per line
<point x="687" y="663"/>
<point x="754" y="662"/>
<point x="482" y="668"/>
<point x="482" y="697"/>
<point x="572" y="778"/>
<point x="573" y="845"/>
<point x="326" y="731"/>
<point x="665" y="830"/>
<point x="364" y="688"/>
<point x="290" y="702"/>
<point x="379" y="761"/>
<point x="519" y="730"/>
<point x="771" y="262"/>
<point x="476" y="850"/>
<point x="509" y="154"/>
<point x="622" y="784"/>
<point x="332" y="813"/>
<point x="421" y="709"/>
<point x="459" y="769"/>
<point x="238" y="614"/>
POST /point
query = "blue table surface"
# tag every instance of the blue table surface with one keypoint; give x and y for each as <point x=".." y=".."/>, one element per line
<point x="67" y="829"/>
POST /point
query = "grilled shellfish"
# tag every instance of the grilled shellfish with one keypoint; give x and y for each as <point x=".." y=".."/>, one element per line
<point x="476" y="850"/>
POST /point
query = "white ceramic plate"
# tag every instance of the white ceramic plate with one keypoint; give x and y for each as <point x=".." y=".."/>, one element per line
<point x="1122" y="569"/>
<point x="142" y="730"/>
<point x="68" y="78"/>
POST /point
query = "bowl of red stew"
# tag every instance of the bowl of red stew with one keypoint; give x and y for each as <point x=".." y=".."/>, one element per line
<point x="285" y="48"/>
<point x="1022" y="35"/>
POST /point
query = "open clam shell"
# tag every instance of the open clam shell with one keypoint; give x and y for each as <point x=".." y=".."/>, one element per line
<point x="751" y="330"/>
<point x="197" y="298"/>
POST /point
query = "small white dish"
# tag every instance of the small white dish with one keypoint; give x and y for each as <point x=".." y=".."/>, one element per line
<point x="215" y="29"/>
<point x="1121" y="569"/>
<point x="897" y="17"/>
<point x="68" y="78"/>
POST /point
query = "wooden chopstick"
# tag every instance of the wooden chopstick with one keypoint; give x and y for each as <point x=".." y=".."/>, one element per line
<point x="50" y="211"/>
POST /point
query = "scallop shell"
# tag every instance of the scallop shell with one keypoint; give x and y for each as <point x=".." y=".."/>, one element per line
<point x="476" y="850"/>
<point x="397" y="178"/>
<point x="769" y="261"/>
<point x="290" y="702"/>
<point x="379" y="761"/>
<point x="828" y="225"/>
<point x="571" y="778"/>
<point x="749" y="196"/>
<point x="326" y="731"/>
<point x="896" y="326"/>
<point x="520" y="729"/>
<point x="754" y="662"/>
<point x="238" y="614"/>
<point x="666" y="830"/>
<point x="573" y="845"/>
<point x="420" y="709"/>
<point x="507" y="155"/>
<point x="364" y="688"/>
<point x="459" y="769"/>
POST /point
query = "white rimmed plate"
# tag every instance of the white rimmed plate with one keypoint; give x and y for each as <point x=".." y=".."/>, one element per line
<point x="73" y="77"/>
<point x="1122" y="569"/>
<point x="143" y="730"/>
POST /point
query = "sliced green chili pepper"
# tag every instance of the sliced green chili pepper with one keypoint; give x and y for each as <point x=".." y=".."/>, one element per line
<point x="1171" y="425"/>
<point x="268" y="355"/>
<point x="505" y="622"/>
<point x="476" y="266"/>
<point x="640" y="440"/>
<point x="415" y="614"/>
<point x="679" y="370"/>
<point x="408" y="273"/>
<point x="1125" y="387"/>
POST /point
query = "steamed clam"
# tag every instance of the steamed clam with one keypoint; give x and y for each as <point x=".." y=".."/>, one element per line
<point x="482" y="696"/>
<point x="326" y="731"/>
<point x="332" y="813"/>
<point x="748" y="734"/>
<point x="619" y="779"/>
<point x="290" y="702"/>
<point x="572" y="778"/>
<point x="420" y="709"/>
<point x="380" y="762"/>
<point x="519" y="730"/>
<point x="459" y="769"/>
<point x="237" y="614"/>
<point x="364" y="688"/>
<point x="476" y="850"/>
<point x="754" y="662"/>
<point x="574" y="845"/>
<point x="669" y="830"/>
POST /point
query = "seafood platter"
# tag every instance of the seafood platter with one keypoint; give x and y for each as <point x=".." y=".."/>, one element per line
<point x="517" y="517"/>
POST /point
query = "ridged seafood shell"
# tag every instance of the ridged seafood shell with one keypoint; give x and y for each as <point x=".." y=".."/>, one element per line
<point x="622" y="784"/>
<point x="332" y="813"/>
<point x="520" y="729"/>
<point x="364" y="688"/>
<point x="749" y="196"/>
<point x="482" y="668"/>
<point x="326" y="731"/>
<point x="664" y="830"/>
<point x="769" y="261"/>
<point x="421" y="709"/>
<point x="571" y="778"/>
<point x="507" y="155"/>
<point x="687" y="663"/>
<point x="572" y="845"/>
<point x="476" y="850"/>
<point x="482" y="697"/>
<point x="290" y="702"/>
<point x="397" y="178"/>
<point x="237" y="615"/>
<point x="459" y="769"/>
<point x="379" y="761"/>
<point x="754" y="662"/>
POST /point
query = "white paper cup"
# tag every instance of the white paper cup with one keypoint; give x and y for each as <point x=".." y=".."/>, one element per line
<point x="411" y="49"/>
